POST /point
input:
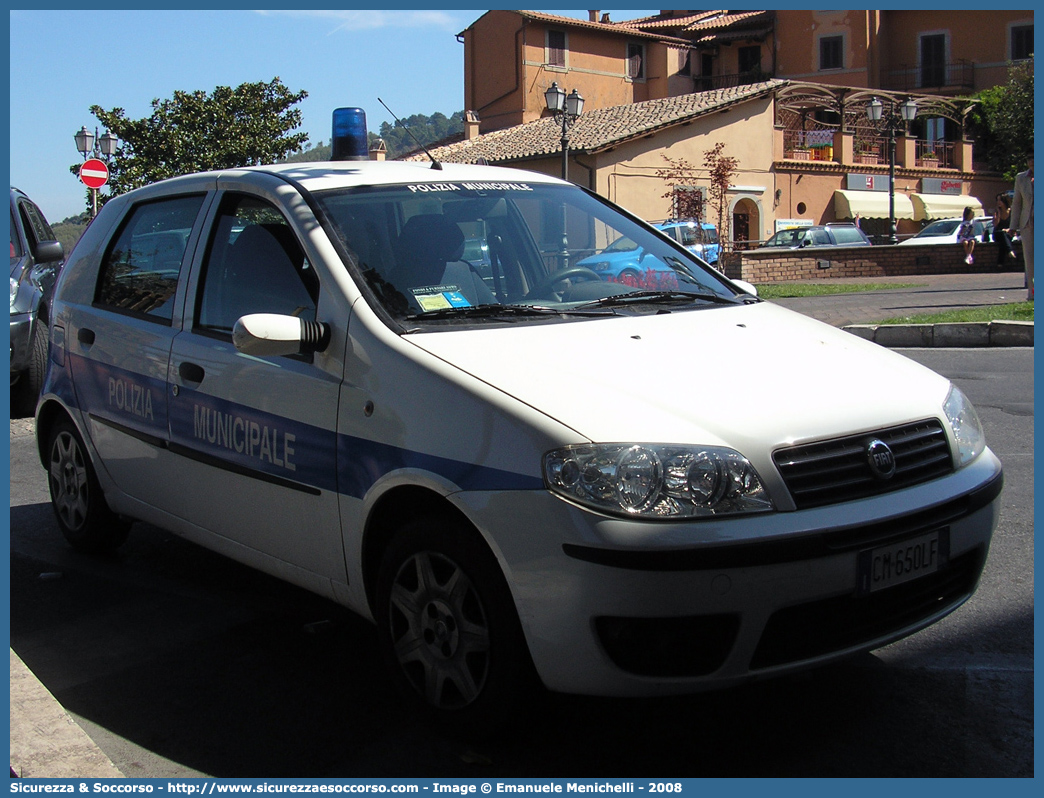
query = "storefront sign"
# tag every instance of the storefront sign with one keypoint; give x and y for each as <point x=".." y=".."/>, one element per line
<point x="786" y="224"/>
<point x="867" y="182"/>
<point x="941" y="185"/>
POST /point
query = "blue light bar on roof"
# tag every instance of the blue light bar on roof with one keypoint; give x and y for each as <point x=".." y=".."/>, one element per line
<point x="349" y="135"/>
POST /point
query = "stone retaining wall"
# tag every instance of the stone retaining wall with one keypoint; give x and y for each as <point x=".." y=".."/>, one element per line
<point x="810" y="263"/>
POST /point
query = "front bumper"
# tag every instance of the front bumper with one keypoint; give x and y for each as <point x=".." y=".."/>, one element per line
<point x="614" y="607"/>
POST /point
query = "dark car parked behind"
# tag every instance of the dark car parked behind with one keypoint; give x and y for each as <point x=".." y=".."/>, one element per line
<point x="821" y="235"/>
<point x="36" y="259"/>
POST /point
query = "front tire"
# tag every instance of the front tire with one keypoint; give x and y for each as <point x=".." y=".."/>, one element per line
<point x="26" y="391"/>
<point x="38" y="359"/>
<point x="448" y="628"/>
<point x="76" y="497"/>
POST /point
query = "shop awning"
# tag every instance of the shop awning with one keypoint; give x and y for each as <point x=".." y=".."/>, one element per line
<point x="870" y="205"/>
<point x="943" y="206"/>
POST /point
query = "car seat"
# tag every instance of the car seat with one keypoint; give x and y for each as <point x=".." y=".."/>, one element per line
<point x="263" y="274"/>
<point x="429" y="254"/>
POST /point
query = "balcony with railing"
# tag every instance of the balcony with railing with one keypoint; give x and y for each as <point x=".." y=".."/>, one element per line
<point x="868" y="149"/>
<point x="935" y="154"/>
<point x="820" y="123"/>
<point x="808" y="145"/>
<point x="957" y="75"/>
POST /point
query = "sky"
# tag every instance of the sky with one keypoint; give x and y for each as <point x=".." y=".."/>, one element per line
<point x="63" y="62"/>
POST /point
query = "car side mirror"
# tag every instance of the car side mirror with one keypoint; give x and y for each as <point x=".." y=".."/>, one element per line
<point x="275" y="335"/>
<point x="48" y="251"/>
<point x="743" y="285"/>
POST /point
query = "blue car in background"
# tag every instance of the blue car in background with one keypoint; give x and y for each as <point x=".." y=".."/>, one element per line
<point x="700" y="238"/>
<point x="625" y="262"/>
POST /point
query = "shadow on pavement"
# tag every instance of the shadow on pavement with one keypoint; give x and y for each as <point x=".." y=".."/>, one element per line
<point x="232" y="673"/>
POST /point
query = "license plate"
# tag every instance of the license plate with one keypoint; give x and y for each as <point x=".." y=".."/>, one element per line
<point x="896" y="563"/>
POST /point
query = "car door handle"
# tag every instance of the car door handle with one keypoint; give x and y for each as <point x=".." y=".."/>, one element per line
<point x="85" y="336"/>
<point x="191" y="373"/>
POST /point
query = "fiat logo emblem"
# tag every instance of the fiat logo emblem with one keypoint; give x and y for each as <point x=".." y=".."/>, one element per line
<point x="881" y="459"/>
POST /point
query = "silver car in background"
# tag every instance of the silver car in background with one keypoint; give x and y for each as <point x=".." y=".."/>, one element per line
<point x="944" y="231"/>
<point x="36" y="259"/>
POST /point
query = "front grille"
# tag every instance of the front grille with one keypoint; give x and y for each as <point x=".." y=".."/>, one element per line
<point x="838" y="470"/>
<point x="821" y="627"/>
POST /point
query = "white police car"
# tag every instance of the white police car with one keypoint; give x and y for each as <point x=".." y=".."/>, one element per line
<point x="624" y="491"/>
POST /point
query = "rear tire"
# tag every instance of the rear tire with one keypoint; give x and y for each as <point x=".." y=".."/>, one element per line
<point x="449" y="631"/>
<point x="76" y="497"/>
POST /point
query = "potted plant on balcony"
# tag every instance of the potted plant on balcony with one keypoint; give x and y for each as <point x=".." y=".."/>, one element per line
<point x="867" y="154"/>
<point x="929" y="160"/>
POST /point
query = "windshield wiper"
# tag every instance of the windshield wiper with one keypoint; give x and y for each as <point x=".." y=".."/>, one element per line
<point x="654" y="297"/>
<point x="488" y="311"/>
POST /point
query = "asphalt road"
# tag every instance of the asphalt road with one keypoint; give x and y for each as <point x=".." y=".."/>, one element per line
<point x="181" y="663"/>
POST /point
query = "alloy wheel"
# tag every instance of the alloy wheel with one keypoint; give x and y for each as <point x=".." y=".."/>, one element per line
<point x="439" y="630"/>
<point x="69" y="481"/>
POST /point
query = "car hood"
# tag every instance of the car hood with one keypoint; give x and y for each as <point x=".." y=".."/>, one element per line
<point x="751" y="377"/>
<point x="916" y="240"/>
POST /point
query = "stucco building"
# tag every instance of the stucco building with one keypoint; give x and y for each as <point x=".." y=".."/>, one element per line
<point x="786" y="91"/>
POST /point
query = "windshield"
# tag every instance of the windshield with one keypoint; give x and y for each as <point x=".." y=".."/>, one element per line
<point x="480" y="252"/>
<point x="786" y="238"/>
<point x="941" y="228"/>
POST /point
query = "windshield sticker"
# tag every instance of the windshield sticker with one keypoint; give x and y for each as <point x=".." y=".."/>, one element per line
<point x="440" y="297"/>
<point x="423" y="188"/>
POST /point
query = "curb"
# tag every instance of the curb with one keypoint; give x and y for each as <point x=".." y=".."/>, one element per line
<point x="46" y="743"/>
<point x="973" y="334"/>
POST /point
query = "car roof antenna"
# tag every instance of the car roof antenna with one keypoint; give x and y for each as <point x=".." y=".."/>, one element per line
<point x="434" y="164"/>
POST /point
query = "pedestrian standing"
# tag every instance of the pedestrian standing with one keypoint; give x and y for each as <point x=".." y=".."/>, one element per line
<point x="1001" y="221"/>
<point x="1022" y="219"/>
<point x="966" y="235"/>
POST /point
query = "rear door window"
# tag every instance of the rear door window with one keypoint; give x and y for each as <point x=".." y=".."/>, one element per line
<point x="34" y="222"/>
<point x="140" y="271"/>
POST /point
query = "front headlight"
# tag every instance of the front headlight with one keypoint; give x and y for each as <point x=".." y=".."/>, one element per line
<point x="14" y="294"/>
<point x="656" y="481"/>
<point x="964" y="422"/>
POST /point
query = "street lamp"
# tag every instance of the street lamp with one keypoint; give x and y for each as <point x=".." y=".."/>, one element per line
<point x="91" y="145"/>
<point x="85" y="141"/>
<point x="895" y="123"/>
<point x="566" y="109"/>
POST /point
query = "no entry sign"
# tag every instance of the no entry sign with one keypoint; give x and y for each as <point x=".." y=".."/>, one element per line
<point x="94" y="173"/>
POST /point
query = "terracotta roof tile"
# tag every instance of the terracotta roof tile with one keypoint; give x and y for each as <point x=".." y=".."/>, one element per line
<point x="727" y="21"/>
<point x="597" y="129"/>
<point x="697" y="22"/>
<point x="610" y="27"/>
<point x="661" y="21"/>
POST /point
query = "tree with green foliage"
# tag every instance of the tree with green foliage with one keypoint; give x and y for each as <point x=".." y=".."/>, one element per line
<point x="427" y="129"/>
<point x="1002" y="121"/>
<point x="397" y="141"/>
<point x="195" y="132"/>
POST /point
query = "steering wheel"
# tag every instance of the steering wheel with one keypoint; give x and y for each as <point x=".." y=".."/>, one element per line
<point x="564" y="274"/>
